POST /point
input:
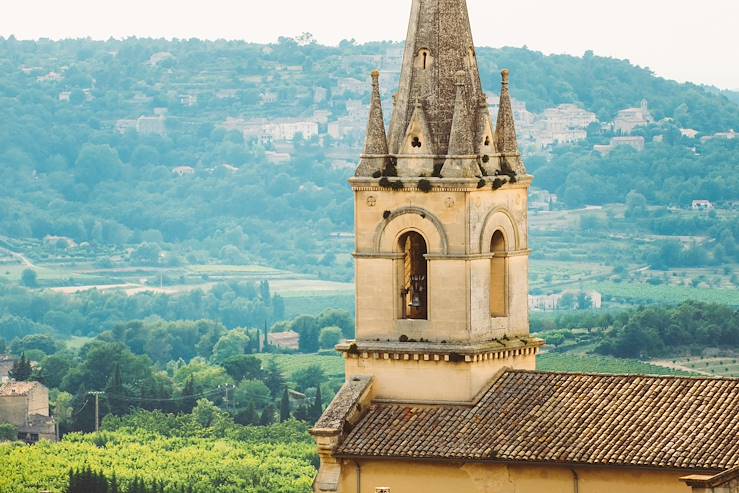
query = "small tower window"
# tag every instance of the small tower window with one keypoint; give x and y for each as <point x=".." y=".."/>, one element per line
<point x="414" y="277"/>
<point x="423" y="59"/>
<point x="498" y="276"/>
<point x="416" y="142"/>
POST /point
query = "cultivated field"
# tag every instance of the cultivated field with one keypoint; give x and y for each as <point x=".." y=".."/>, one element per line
<point x="719" y="366"/>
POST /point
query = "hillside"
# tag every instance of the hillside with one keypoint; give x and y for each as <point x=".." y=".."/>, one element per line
<point x="606" y="85"/>
<point x="79" y="162"/>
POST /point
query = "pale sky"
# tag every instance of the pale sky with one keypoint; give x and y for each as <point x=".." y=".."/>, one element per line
<point x="686" y="40"/>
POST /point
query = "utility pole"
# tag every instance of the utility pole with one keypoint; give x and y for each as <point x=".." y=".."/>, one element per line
<point x="97" y="395"/>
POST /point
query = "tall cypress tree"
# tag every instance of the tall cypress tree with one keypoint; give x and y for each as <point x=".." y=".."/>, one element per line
<point x="116" y="393"/>
<point x="188" y="391"/>
<point x="285" y="406"/>
<point x="317" y="408"/>
<point x="273" y="378"/>
<point x="21" y="370"/>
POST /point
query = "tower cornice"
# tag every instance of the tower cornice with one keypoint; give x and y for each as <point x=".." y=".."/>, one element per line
<point x="411" y="184"/>
<point x="425" y="351"/>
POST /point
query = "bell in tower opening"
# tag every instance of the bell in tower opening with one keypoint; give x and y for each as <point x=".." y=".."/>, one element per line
<point x="414" y="282"/>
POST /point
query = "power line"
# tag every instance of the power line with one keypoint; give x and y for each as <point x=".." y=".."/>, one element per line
<point x="167" y="399"/>
<point x="82" y="408"/>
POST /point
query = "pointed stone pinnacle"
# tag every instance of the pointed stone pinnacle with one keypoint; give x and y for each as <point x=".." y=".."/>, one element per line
<point x="505" y="131"/>
<point x="461" y="161"/>
<point x="375" y="147"/>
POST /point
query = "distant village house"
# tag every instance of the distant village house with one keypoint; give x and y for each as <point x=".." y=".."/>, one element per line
<point x="25" y="405"/>
<point x="630" y="118"/>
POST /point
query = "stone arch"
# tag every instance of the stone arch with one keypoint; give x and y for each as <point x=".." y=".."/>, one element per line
<point x="411" y="219"/>
<point x="500" y="219"/>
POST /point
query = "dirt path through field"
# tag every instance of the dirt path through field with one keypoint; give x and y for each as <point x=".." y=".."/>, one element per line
<point x="20" y="257"/>
<point x="675" y="366"/>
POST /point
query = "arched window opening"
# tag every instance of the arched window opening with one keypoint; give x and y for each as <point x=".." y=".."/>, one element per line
<point x="423" y="59"/>
<point x="498" y="276"/>
<point x="414" y="281"/>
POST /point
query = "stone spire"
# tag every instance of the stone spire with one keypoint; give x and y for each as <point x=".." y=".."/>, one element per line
<point x="505" y="131"/>
<point x="439" y="44"/>
<point x="486" y="147"/>
<point x="461" y="161"/>
<point x="375" y="147"/>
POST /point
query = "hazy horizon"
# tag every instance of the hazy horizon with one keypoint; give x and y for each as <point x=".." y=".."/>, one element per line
<point x="673" y="39"/>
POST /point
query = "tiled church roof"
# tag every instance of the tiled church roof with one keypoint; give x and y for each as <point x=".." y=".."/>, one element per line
<point x="566" y="418"/>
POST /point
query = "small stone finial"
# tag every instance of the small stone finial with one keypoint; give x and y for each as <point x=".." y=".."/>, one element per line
<point x="460" y="78"/>
<point x="505" y="73"/>
<point x="375" y="77"/>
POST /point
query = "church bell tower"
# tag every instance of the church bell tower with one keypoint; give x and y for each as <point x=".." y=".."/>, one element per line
<point x="441" y="204"/>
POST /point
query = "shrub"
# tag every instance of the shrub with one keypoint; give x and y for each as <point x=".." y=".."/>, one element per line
<point x="424" y="186"/>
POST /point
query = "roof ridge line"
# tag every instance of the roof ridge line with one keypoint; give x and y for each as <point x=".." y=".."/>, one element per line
<point x="633" y="375"/>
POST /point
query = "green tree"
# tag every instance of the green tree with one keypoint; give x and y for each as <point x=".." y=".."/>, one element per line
<point x="206" y="414"/>
<point x="188" y="399"/>
<point x="146" y="254"/>
<point x="337" y="318"/>
<point x="232" y="344"/>
<point x="41" y="342"/>
<point x="115" y="392"/>
<point x="8" y="432"/>
<point x="274" y="379"/>
<point x="252" y="392"/>
<point x="317" y="407"/>
<point x="309" y="377"/>
<point x="21" y="369"/>
<point x="55" y="367"/>
<point x="268" y="415"/>
<point x="96" y="163"/>
<point x="636" y="205"/>
<point x="242" y="366"/>
<point x="308" y="329"/>
<point x="330" y="337"/>
<point x="29" y="278"/>
<point x="248" y="415"/>
<point x="63" y="410"/>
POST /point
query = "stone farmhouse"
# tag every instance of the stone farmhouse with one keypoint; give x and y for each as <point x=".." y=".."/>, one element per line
<point x="442" y="392"/>
<point x="25" y="405"/>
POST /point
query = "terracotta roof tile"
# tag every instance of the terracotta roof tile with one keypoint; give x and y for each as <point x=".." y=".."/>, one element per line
<point x="11" y="389"/>
<point x="561" y="417"/>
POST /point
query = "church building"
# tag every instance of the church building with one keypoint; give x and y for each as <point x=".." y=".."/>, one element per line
<point x="442" y="393"/>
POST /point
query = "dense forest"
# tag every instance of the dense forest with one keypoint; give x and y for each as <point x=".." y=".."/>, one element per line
<point x="74" y="174"/>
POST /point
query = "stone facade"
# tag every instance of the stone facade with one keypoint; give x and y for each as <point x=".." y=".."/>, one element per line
<point x="25" y="405"/>
<point x="6" y="364"/>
